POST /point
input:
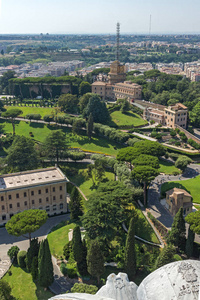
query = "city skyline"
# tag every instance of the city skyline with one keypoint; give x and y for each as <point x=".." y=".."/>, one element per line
<point x="89" y="17"/>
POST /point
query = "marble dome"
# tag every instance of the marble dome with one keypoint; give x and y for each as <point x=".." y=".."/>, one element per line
<point x="175" y="281"/>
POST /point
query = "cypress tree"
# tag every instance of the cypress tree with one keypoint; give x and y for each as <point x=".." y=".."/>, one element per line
<point x="45" y="266"/>
<point x="166" y="256"/>
<point x="31" y="253"/>
<point x="189" y="243"/>
<point x="77" y="247"/>
<point x="95" y="260"/>
<point x="177" y="234"/>
<point x="75" y="204"/>
<point x="89" y="126"/>
<point x="34" y="268"/>
<point x="130" y="254"/>
<point x="82" y="266"/>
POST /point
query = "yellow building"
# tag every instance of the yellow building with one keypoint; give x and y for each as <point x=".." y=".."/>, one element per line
<point x="117" y="73"/>
<point x="176" y="114"/>
<point x="40" y="189"/>
<point x="127" y="90"/>
<point x="177" y="198"/>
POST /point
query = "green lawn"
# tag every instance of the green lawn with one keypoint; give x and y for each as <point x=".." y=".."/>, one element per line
<point x="40" y="131"/>
<point x="128" y="118"/>
<point x="86" y="186"/>
<point x="23" y="287"/>
<point x="190" y="185"/>
<point x="58" y="238"/>
<point x="167" y="167"/>
<point x="34" y="110"/>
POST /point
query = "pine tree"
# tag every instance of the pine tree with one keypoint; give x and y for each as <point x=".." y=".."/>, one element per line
<point x="89" y="126"/>
<point x="31" y="253"/>
<point x="130" y="254"/>
<point x="45" y="266"/>
<point x="166" y="256"/>
<point x="95" y="260"/>
<point x="178" y="231"/>
<point x="189" y="243"/>
<point x="75" y="204"/>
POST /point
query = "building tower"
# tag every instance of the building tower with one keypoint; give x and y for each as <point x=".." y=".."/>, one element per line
<point x="117" y="40"/>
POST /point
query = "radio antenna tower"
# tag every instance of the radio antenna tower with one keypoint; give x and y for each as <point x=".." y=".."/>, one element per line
<point x="150" y="26"/>
<point x="118" y="36"/>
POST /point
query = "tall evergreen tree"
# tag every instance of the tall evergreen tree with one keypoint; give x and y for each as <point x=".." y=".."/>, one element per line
<point x="45" y="266"/>
<point x="130" y="254"/>
<point x="31" y="253"/>
<point x="166" y="256"/>
<point x="178" y="231"/>
<point x="75" y="204"/>
<point x="89" y="126"/>
<point x="77" y="247"/>
<point x="82" y="266"/>
<point x="95" y="260"/>
<point x="189" y="243"/>
<point x="34" y="268"/>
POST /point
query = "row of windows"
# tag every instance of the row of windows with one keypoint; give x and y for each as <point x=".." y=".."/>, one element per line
<point x="47" y="208"/>
<point x="32" y="193"/>
<point x="32" y="202"/>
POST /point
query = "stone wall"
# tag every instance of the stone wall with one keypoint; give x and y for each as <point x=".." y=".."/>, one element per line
<point x="150" y="104"/>
<point x="188" y="134"/>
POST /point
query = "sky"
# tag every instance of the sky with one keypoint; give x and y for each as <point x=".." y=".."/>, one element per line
<point x="92" y="16"/>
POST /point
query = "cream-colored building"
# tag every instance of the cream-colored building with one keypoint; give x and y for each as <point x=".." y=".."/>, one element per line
<point x="117" y="87"/>
<point x="171" y="116"/>
<point x="40" y="189"/>
<point x="177" y="198"/>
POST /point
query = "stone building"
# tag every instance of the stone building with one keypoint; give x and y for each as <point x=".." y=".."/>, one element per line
<point x="177" y="198"/>
<point x="170" y="116"/>
<point x="40" y="189"/>
<point x="117" y="87"/>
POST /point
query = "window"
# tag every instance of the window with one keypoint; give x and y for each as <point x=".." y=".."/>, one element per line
<point x="17" y="195"/>
<point x="4" y="217"/>
<point x="40" y="200"/>
<point x="61" y="206"/>
<point x="60" y="187"/>
<point x="33" y="201"/>
<point x="2" y="198"/>
<point x="61" y="196"/>
<point x="54" y="198"/>
<point x="47" y="199"/>
<point x="47" y="191"/>
<point x="32" y="193"/>
<point x="25" y="194"/>
<point x="39" y="192"/>
<point x="18" y="204"/>
<point x="25" y="203"/>
<point x="9" y="197"/>
<point x="54" y="207"/>
<point x="47" y="208"/>
<point x="10" y="205"/>
<point x="11" y="216"/>
<point x="3" y="207"/>
<point x="54" y="189"/>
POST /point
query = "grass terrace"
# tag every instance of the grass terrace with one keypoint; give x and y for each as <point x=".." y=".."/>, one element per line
<point x="168" y="168"/>
<point x="127" y="119"/>
<point x="34" y="110"/>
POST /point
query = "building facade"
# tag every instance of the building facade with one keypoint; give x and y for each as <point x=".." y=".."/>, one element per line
<point x="127" y="89"/>
<point x="177" y="198"/>
<point x="37" y="189"/>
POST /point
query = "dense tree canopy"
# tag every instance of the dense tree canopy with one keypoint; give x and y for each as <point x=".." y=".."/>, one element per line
<point x="150" y="148"/>
<point x="68" y="103"/>
<point x="146" y="160"/>
<point x="177" y="234"/>
<point x="55" y="145"/>
<point x="98" y="109"/>
<point x="22" y="155"/>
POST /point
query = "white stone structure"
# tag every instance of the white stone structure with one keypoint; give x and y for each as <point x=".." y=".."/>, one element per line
<point x="175" y="281"/>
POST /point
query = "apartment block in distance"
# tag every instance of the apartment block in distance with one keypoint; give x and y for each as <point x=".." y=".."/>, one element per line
<point x="36" y="189"/>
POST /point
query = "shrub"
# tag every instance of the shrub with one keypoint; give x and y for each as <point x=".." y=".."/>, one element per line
<point x="21" y="256"/>
<point x="71" y="270"/>
<point x="173" y="156"/>
<point x="84" y="288"/>
<point x="193" y="144"/>
<point x="63" y="268"/>
<point x="12" y="253"/>
<point x="67" y="249"/>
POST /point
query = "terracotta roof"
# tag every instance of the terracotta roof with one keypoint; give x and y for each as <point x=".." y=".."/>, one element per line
<point x="177" y="191"/>
<point x="99" y="83"/>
